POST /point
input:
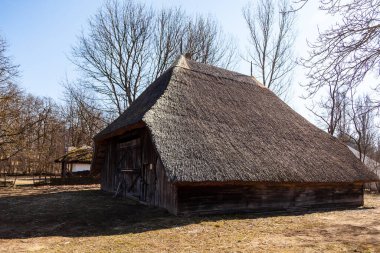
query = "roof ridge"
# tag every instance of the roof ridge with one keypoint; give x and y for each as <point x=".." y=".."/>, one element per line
<point x="182" y="62"/>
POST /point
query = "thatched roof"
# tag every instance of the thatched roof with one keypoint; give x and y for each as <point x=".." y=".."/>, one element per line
<point x="371" y="164"/>
<point x="211" y="124"/>
<point x="77" y="155"/>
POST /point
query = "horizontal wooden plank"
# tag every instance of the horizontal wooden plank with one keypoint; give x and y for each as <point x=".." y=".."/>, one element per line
<point x="262" y="197"/>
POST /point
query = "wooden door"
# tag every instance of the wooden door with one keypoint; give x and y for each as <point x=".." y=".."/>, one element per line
<point x="128" y="167"/>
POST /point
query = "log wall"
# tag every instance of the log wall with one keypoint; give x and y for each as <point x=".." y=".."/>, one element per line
<point x="229" y="198"/>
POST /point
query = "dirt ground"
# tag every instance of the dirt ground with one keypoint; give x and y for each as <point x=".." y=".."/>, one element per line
<point x="24" y="180"/>
<point x="83" y="219"/>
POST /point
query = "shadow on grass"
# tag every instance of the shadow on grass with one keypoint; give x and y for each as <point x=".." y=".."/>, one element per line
<point x="91" y="213"/>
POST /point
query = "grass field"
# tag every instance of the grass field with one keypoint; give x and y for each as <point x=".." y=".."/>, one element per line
<point x="83" y="219"/>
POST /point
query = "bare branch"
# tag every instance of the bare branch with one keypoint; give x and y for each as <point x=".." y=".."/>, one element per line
<point x="129" y="45"/>
<point x="352" y="45"/>
<point x="271" y="39"/>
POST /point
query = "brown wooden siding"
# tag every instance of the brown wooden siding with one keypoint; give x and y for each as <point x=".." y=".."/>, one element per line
<point x="148" y="182"/>
<point x="166" y="194"/>
<point x="266" y="197"/>
<point x="159" y="192"/>
<point x="107" y="177"/>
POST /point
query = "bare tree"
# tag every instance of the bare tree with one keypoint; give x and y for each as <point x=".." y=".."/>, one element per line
<point x="352" y="44"/>
<point x="349" y="117"/>
<point x="42" y="142"/>
<point x="331" y="109"/>
<point x="22" y="118"/>
<point x="201" y="37"/>
<point x="115" y="51"/>
<point x="10" y="95"/>
<point x="29" y="140"/>
<point x="344" y="54"/>
<point x="8" y="70"/>
<point x="129" y="45"/>
<point x="8" y="90"/>
<point x="81" y="115"/>
<point x="168" y="35"/>
<point x="363" y="131"/>
<point x="204" y="40"/>
<point x="271" y="42"/>
<point x="10" y="129"/>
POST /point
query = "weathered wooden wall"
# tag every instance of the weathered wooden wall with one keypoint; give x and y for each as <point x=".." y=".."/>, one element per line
<point x="149" y="183"/>
<point x="262" y="197"/>
<point x="166" y="193"/>
<point x="159" y="192"/>
<point x="107" y="182"/>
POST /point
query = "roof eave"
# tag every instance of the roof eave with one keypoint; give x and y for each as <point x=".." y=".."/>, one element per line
<point x="237" y="182"/>
<point x="119" y="131"/>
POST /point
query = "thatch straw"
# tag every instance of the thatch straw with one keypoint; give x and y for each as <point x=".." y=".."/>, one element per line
<point x="78" y="155"/>
<point x="209" y="124"/>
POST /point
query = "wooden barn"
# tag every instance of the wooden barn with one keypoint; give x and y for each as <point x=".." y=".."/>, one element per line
<point x="202" y="139"/>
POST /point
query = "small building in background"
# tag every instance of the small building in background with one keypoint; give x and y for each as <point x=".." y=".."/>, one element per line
<point x="77" y="161"/>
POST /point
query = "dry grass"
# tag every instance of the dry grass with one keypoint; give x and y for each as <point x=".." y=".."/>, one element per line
<point x="82" y="219"/>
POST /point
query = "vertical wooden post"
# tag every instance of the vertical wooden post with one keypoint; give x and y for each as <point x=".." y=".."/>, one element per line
<point x="62" y="169"/>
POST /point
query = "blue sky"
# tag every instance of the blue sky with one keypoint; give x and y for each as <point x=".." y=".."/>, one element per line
<point x="40" y="34"/>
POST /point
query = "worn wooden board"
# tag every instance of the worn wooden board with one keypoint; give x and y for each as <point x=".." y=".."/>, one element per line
<point x="133" y="160"/>
<point x="145" y="180"/>
<point x="266" y="197"/>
